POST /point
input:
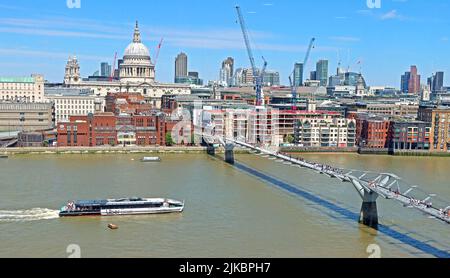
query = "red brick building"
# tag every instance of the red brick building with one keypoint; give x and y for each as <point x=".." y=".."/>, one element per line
<point x="106" y="129"/>
<point x="168" y="103"/>
<point x="371" y="131"/>
<point x="142" y="130"/>
<point x="360" y="117"/>
<point x="375" y="133"/>
<point x="129" y="120"/>
<point x="88" y="131"/>
<point x="129" y="103"/>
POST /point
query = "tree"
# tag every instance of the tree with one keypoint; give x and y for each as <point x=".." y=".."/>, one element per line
<point x="193" y="140"/>
<point x="169" y="141"/>
<point x="289" y="139"/>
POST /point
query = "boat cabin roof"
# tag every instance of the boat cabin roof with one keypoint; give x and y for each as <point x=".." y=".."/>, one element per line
<point x="90" y="203"/>
<point x="94" y="203"/>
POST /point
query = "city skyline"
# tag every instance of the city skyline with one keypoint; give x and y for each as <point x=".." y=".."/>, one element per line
<point x="39" y="37"/>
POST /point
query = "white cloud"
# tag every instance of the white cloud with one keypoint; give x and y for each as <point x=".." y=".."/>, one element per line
<point x="47" y="54"/>
<point x="393" y="14"/>
<point x="345" y="39"/>
<point x="60" y="33"/>
<point x="390" y="15"/>
<point x="209" y="38"/>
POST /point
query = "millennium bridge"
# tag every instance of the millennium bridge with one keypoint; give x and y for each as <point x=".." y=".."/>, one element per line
<point x="369" y="185"/>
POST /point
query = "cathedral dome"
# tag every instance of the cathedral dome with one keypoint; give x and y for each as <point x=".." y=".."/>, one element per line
<point x="137" y="66"/>
<point x="137" y="48"/>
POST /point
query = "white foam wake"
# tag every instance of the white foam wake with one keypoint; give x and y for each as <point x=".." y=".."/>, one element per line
<point x="28" y="215"/>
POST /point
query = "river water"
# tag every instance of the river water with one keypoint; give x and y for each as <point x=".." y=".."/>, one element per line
<point x="229" y="213"/>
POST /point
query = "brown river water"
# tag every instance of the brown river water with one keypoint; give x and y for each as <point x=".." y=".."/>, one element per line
<point x="229" y="213"/>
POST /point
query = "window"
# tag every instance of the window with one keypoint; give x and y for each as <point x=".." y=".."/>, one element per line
<point x="111" y="141"/>
<point x="99" y="141"/>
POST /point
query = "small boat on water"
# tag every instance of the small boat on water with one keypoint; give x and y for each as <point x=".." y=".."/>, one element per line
<point x="113" y="226"/>
<point x="125" y="206"/>
<point x="3" y="156"/>
<point x="151" y="159"/>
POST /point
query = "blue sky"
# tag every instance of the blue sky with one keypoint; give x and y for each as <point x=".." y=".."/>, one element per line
<point x="38" y="36"/>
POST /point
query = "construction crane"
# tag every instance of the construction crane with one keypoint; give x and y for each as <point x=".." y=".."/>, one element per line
<point x="113" y="71"/>
<point x="263" y="71"/>
<point x="292" y="82"/>
<point x="158" y="49"/>
<point x="256" y="75"/>
<point x="308" y="53"/>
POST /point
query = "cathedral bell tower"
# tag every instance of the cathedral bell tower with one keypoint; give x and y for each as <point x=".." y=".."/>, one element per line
<point x="72" y="73"/>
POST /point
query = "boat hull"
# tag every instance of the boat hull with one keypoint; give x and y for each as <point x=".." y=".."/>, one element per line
<point x="115" y="212"/>
<point x="120" y="212"/>
<point x="151" y="159"/>
<point x="125" y="206"/>
<point x="78" y="214"/>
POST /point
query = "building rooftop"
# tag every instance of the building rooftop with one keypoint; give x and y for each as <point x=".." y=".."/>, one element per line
<point x="62" y="92"/>
<point x="16" y="79"/>
<point x="443" y="108"/>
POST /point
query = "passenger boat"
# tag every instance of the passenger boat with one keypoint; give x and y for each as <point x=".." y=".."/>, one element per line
<point x="125" y="206"/>
<point x="151" y="159"/>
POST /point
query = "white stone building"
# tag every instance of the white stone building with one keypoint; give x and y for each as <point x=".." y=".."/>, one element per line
<point x="322" y="132"/>
<point x="136" y="75"/>
<point x="72" y="73"/>
<point x="72" y="102"/>
<point x="254" y="126"/>
<point x="22" y="89"/>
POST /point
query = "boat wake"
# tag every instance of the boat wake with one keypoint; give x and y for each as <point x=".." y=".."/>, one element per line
<point x="34" y="214"/>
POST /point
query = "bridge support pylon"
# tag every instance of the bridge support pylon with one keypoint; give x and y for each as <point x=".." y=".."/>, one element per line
<point x="211" y="150"/>
<point x="229" y="153"/>
<point x="369" y="212"/>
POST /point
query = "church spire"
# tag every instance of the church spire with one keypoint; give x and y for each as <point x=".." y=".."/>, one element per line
<point x="137" y="34"/>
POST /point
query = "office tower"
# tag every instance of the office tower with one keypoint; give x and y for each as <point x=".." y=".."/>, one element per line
<point x="322" y="72"/>
<point x="438" y="81"/>
<point x="181" y="65"/>
<point x="105" y="69"/>
<point x="414" y="81"/>
<point x="226" y="72"/>
<point x="404" y="86"/>
<point x="193" y="74"/>
<point x="298" y="74"/>
<point x="271" y="78"/>
<point x="229" y="62"/>
<point x="117" y="71"/>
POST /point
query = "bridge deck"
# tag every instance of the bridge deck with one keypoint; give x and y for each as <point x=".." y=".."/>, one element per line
<point x="345" y="176"/>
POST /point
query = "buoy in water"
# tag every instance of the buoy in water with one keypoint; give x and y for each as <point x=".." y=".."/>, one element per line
<point x="113" y="227"/>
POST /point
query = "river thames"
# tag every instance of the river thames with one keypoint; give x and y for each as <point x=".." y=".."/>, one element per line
<point x="229" y="213"/>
